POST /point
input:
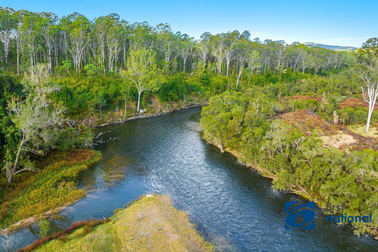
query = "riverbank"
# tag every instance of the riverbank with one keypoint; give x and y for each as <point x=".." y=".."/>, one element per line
<point x="373" y="231"/>
<point x="121" y="120"/>
<point x="150" y="223"/>
<point x="155" y="108"/>
<point x="13" y="212"/>
<point x="48" y="190"/>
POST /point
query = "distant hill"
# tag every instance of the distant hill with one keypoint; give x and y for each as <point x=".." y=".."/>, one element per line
<point x="330" y="47"/>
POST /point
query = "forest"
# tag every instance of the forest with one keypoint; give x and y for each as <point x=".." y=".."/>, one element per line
<point x="286" y="110"/>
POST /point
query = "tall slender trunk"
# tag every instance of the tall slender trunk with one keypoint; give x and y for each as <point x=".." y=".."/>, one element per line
<point x="103" y="56"/>
<point x="371" y="109"/>
<point x="139" y="94"/>
<point x="227" y="66"/>
<point x="125" y="105"/>
<point x="184" y="65"/>
<point x="11" y="170"/>
<point x="124" y="55"/>
<point x="50" y="57"/>
<point x="240" y="73"/>
<point x="18" y="57"/>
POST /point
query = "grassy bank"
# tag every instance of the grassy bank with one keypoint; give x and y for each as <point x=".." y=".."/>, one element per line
<point x="51" y="186"/>
<point x="150" y="223"/>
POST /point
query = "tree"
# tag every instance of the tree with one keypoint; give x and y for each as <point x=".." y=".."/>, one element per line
<point x="242" y="50"/>
<point x="253" y="62"/>
<point x="7" y="26"/>
<point x="49" y="30"/>
<point x="142" y="71"/>
<point x="230" y="39"/>
<point x="204" y="47"/>
<point x="79" y="38"/>
<point x="113" y="40"/>
<point x="368" y="72"/>
<point x="37" y="121"/>
<point x="219" y="50"/>
<point x="186" y="47"/>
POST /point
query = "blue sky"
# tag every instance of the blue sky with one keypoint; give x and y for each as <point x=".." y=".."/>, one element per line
<point x="330" y="22"/>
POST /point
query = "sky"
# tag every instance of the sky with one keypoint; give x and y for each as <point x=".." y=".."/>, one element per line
<point x="334" y="22"/>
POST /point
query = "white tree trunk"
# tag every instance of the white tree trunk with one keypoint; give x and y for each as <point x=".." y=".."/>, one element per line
<point x="139" y="94"/>
<point x="371" y="98"/>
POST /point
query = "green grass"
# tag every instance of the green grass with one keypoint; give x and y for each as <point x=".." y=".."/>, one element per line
<point x="52" y="185"/>
<point x="150" y="223"/>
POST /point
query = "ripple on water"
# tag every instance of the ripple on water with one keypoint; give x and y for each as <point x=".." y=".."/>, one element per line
<point x="233" y="207"/>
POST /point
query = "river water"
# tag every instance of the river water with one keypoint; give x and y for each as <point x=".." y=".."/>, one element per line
<point x="232" y="206"/>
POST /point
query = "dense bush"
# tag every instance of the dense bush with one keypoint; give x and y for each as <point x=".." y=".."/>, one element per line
<point x="9" y="88"/>
<point x="244" y="123"/>
<point x="177" y="88"/>
<point x="355" y="115"/>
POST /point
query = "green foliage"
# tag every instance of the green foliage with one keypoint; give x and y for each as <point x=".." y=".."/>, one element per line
<point x="244" y="123"/>
<point x="91" y="69"/>
<point x="177" y="88"/>
<point x="65" y="68"/>
<point x="44" y="227"/>
<point x="9" y="88"/>
<point x="51" y="186"/>
<point x="84" y="95"/>
<point x="293" y="105"/>
<point x="356" y="115"/>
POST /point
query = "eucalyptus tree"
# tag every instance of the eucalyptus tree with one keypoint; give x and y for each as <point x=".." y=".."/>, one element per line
<point x="219" y="51"/>
<point x="113" y="42"/>
<point x="125" y="39"/>
<point x="141" y="35"/>
<point x="280" y="50"/>
<point x="185" y="49"/>
<point x="142" y="71"/>
<point x="368" y="72"/>
<point x="167" y="44"/>
<point x="230" y="40"/>
<point x="253" y="62"/>
<point x="242" y="51"/>
<point x="78" y="33"/>
<point x="102" y="26"/>
<point x="8" y="24"/>
<point x="204" y="47"/>
<point x="47" y="25"/>
<point x="18" y="35"/>
<point x="30" y="34"/>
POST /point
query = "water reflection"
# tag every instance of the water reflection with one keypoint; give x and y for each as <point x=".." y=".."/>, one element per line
<point x="232" y="206"/>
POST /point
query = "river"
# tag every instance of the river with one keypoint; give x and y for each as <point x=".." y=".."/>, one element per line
<point x="233" y="207"/>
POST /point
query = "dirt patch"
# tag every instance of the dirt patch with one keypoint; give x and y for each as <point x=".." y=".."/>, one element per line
<point x="308" y="122"/>
<point x="338" y="140"/>
<point x="355" y="103"/>
<point x="337" y="136"/>
<point x="362" y="142"/>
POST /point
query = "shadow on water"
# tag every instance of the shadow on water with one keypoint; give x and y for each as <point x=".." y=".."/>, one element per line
<point x="232" y="206"/>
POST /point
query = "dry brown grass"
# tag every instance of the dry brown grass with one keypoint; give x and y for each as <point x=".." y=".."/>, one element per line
<point x="352" y="102"/>
<point x="338" y="140"/>
<point x="308" y="122"/>
<point x="337" y="136"/>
